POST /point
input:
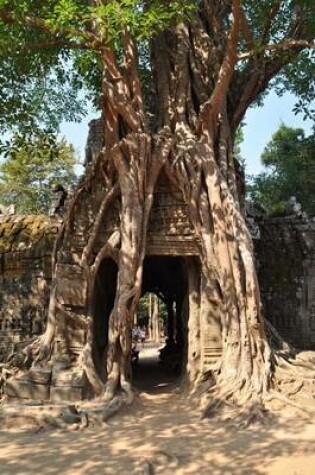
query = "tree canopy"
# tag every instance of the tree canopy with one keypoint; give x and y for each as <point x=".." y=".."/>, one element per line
<point x="289" y="160"/>
<point x="33" y="164"/>
<point x="50" y="52"/>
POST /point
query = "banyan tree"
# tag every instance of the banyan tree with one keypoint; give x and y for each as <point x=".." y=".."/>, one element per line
<point x="173" y="81"/>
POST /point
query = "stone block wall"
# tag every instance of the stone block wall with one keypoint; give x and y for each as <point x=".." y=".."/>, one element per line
<point x="286" y="268"/>
<point x="26" y="244"/>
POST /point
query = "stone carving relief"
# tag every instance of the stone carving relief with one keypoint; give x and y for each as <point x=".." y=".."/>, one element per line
<point x="294" y="208"/>
<point x="169" y="216"/>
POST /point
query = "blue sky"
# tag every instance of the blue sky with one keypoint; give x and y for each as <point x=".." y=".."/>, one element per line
<point x="260" y="122"/>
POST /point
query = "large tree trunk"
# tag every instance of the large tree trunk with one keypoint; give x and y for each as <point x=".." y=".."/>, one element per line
<point x="202" y="166"/>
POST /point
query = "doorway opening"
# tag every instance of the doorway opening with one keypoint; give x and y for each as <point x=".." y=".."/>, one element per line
<point x="163" y="315"/>
<point x="102" y="305"/>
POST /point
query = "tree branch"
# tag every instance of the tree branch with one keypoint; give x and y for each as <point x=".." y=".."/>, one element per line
<point x="54" y="43"/>
<point x="107" y="250"/>
<point x="257" y="82"/>
<point x="131" y="66"/>
<point x="290" y="44"/>
<point x="117" y="91"/>
<point x="109" y="197"/>
<point x="121" y="103"/>
<point x="90" y="40"/>
<point x="246" y="29"/>
<point x="256" y="78"/>
<point x="213" y="105"/>
<point x="272" y="13"/>
<point x="247" y="32"/>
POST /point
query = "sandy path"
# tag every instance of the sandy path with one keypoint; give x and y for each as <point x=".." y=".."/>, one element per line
<point x="164" y="430"/>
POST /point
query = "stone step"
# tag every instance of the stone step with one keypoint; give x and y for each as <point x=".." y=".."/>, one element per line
<point x="37" y="376"/>
<point x="26" y="390"/>
<point x="68" y="378"/>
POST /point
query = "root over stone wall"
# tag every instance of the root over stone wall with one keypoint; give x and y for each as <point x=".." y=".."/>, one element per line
<point x="26" y="244"/>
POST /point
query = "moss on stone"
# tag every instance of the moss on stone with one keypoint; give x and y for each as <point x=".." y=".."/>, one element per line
<point x="30" y="236"/>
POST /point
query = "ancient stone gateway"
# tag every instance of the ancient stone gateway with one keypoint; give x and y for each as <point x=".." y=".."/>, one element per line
<point x="171" y="269"/>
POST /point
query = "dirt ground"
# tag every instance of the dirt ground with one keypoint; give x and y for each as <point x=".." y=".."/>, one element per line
<point x="162" y="435"/>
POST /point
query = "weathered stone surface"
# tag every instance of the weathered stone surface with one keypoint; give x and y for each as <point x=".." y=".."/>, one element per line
<point x="172" y="245"/>
<point x="71" y="285"/>
<point x="68" y="378"/>
<point x="95" y="141"/>
<point x="37" y="376"/>
<point x="286" y="258"/>
<point x="25" y="273"/>
<point x="23" y="389"/>
<point x="67" y="393"/>
<point x="285" y="253"/>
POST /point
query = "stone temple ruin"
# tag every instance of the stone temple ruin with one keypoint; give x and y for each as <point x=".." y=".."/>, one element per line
<point x="171" y="268"/>
<point x="26" y="244"/>
<point x="285" y="256"/>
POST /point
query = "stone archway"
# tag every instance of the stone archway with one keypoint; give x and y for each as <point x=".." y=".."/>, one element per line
<point x="164" y="275"/>
<point x="171" y="242"/>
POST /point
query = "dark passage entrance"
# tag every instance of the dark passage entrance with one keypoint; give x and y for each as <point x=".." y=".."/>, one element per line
<point x="102" y="305"/>
<point x="165" y="277"/>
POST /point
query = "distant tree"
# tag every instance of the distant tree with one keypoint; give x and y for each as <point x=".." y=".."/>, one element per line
<point x="289" y="160"/>
<point x="32" y="164"/>
<point x="144" y="311"/>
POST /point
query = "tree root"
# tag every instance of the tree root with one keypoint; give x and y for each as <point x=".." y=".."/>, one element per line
<point x="21" y="359"/>
<point x="41" y="349"/>
<point x="87" y="363"/>
<point x="295" y="389"/>
<point x="251" y="414"/>
<point x="239" y="411"/>
<point x="58" y="416"/>
<point x="293" y="382"/>
<point x="36" y="353"/>
<point x="285" y="399"/>
<point x="227" y="400"/>
<point x="90" y="371"/>
<point x="277" y="342"/>
<point x="111" y="390"/>
<point x="128" y="393"/>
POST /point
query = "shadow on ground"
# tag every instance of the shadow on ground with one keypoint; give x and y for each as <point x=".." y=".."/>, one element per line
<point x="163" y="433"/>
<point x="149" y="375"/>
